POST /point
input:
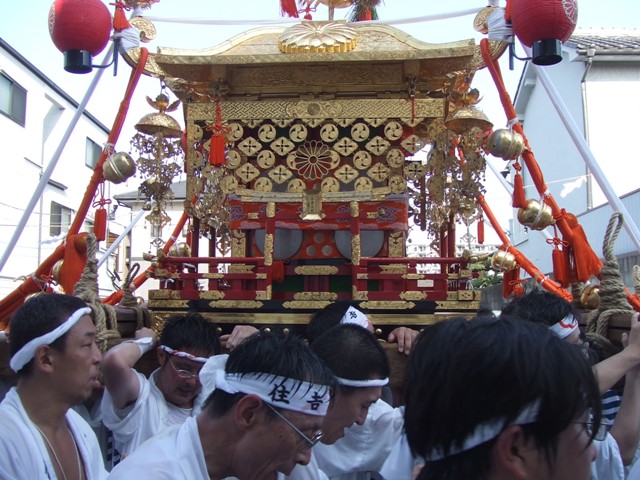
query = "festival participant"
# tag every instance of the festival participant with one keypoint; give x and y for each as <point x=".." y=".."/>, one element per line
<point x="500" y="399"/>
<point x="264" y="415"/>
<point x="561" y="318"/>
<point x="358" y="431"/>
<point x="135" y="408"/>
<point x="53" y="351"/>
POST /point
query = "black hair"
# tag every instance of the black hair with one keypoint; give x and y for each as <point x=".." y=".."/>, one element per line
<point x="546" y="308"/>
<point x="327" y="318"/>
<point x="191" y="332"/>
<point x="463" y="373"/>
<point x="270" y="353"/>
<point x="38" y="316"/>
<point x="352" y="352"/>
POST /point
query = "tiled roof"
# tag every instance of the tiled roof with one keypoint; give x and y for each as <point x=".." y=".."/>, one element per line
<point x="606" y="41"/>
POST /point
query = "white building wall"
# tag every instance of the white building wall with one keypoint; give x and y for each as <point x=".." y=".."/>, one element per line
<point x="611" y="107"/>
<point x="27" y="151"/>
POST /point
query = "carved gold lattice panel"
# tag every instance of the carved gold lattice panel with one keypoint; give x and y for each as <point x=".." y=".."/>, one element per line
<point x="345" y="146"/>
<point x="363" y="184"/>
<point x="360" y="132"/>
<point x="395" y="158"/>
<point x="313" y="122"/>
<point x="397" y="184"/>
<point x="263" y="184"/>
<point x="280" y="174"/>
<point x="253" y="122"/>
<point x="228" y="184"/>
<point x="415" y="170"/>
<point x="375" y="122"/>
<point x="346" y="174"/>
<point x="379" y="172"/>
<point x="393" y="130"/>
<point x="329" y="185"/>
<point x="283" y="122"/>
<point x="195" y="134"/>
<point x="234" y="159"/>
<point x="345" y="122"/>
<point x="362" y="160"/>
<point x="236" y="131"/>
<point x="266" y="159"/>
<point x="313" y="160"/>
<point x="247" y="172"/>
<point x="282" y="146"/>
<point x="267" y="133"/>
<point x="250" y="146"/>
<point x="296" y="186"/>
<point x="377" y="145"/>
<point x="298" y="133"/>
<point x="329" y="132"/>
<point x="413" y="143"/>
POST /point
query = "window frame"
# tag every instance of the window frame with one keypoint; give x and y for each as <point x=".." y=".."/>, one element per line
<point x="15" y="87"/>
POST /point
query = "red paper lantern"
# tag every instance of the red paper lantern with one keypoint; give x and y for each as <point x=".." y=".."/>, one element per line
<point x="80" y="29"/>
<point x="543" y="25"/>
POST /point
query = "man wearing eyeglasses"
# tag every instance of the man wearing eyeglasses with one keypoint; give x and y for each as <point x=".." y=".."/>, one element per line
<point x="134" y="407"/>
<point x="264" y="415"/>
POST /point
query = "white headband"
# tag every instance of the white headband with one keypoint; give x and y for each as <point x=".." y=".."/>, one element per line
<point x="281" y="392"/>
<point x="377" y="382"/>
<point x="353" y="315"/>
<point x="565" y="327"/>
<point x="28" y="350"/>
<point x="487" y="431"/>
<point x="178" y="353"/>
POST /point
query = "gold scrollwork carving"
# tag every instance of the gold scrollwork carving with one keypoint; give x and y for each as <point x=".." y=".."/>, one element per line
<point x="315" y="296"/>
<point x="355" y="249"/>
<point x="387" y="305"/>
<point x="315" y="270"/>
<point x="307" y="304"/>
<point x="354" y="207"/>
<point x="413" y="296"/>
<point x="235" y="304"/>
<point x="268" y="249"/>
<point x="211" y="295"/>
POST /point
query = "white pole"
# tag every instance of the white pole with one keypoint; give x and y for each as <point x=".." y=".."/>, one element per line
<point x="46" y="175"/>
<point x="115" y="244"/>
<point x="629" y="223"/>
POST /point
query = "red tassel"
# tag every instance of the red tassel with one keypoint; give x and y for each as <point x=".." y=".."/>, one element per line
<point x="481" y="230"/>
<point x="519" y="198"/>
<point x="120" y="21"/>
<point x="365" y="15"/>
<point x="585" y="261"/>
<point x="289" y="8"/>
<point x="75" y="259"/>
<point x="508" y="279"/>
<point x="100" y="224"/>
<point x="560" y="261"/>
<point x="216" y="149"/>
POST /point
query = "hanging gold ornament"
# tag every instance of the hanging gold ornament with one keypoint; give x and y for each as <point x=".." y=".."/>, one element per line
<point x="506" y="144"/>
<point x="502" y="261"/>
<point x="466" y="117"/>
<point x="118" y="167"/>
<point x="535" y="215"/>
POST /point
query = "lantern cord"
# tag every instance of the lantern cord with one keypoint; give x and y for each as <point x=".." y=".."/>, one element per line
<point x="12" y="301"/>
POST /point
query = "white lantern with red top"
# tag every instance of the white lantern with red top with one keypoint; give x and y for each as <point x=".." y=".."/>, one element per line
<point x="80" y="29"/>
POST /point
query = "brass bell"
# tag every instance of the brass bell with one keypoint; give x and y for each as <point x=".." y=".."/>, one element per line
<point x="118" y="167"/>
<point x="502" y="261"/>
<point x="506" y="144"/>
<point x="180" y="250"/>
<point x="535" y="215"/>
<point x="590" y="297"/>
<point x="464" y="119"/>
<point x="55" y="270"/>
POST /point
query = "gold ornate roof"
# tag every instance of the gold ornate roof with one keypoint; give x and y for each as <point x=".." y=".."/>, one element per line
<point x="375" y="61"/>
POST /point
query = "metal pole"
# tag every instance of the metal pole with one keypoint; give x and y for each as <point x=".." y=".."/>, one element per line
<point x="118" y="240"/>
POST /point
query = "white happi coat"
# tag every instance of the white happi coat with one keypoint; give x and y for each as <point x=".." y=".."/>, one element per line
<point x="363" y="449"/>
<point x="607" y="466"/>
<point x="174" y="454"/>
<point x="24" y="452"/>
<point x="149" y="415"/>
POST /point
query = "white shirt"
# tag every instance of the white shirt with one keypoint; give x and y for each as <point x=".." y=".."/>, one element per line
<point x="148" y="416"/>
<point x="174" y="454"/>
<point x="24" y="452"/>
<point x="608" y="465"/>
<point x="364" y="448"/>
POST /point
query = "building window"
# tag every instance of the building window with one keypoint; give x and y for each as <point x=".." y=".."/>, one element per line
<point x="60" y="220"/>
<point x="13" y="100"/>
<point x="92" y="155"/>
